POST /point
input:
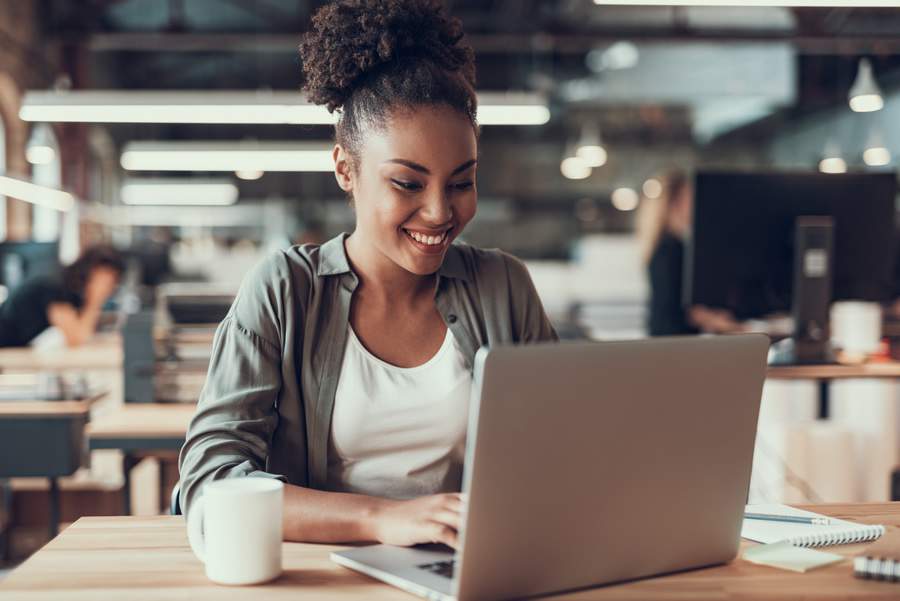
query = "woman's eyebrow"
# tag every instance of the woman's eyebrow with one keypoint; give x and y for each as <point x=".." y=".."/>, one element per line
<point x="423" y="169"/>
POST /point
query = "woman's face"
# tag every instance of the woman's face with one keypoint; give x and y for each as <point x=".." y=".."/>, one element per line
<point x="414" y="185"/>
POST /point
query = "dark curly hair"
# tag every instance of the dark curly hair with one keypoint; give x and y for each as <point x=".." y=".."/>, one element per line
<point x="75" y="276"/>
<point x="370" y="58"/>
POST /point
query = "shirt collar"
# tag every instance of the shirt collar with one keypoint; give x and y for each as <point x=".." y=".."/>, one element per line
<point x="333" y="260"/>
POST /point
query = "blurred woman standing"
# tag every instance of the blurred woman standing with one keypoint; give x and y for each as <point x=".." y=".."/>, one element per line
<point x="663" y="227"/>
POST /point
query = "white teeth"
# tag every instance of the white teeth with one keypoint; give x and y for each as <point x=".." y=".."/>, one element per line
<point x="429" y="240"/>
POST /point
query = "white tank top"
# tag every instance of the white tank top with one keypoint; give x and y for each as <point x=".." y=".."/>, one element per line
<point x="399" y="432"/>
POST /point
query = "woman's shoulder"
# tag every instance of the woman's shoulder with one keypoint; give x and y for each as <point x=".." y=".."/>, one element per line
<point x="297" y="265"/>
<point x="279" y="284"/>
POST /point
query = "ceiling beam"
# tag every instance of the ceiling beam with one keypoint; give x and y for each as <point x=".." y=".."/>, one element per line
<point x="567" y="43"/>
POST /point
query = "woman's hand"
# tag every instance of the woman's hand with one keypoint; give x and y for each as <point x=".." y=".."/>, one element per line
<point x="431" y="519"/>
<point x="714" y="321"/>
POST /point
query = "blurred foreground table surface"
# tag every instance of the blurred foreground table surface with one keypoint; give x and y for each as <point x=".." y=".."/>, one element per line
<point x="106" y="558"/>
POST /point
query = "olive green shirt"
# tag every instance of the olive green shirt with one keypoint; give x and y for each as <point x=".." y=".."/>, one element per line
<point x="266" y="407"/>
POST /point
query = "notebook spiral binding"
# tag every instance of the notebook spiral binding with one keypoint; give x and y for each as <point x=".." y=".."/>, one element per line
<point x="876" y="568"/>
<point x="839" y="538"/>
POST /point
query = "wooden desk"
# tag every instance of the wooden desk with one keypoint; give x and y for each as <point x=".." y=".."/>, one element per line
<point x="104" y="352"/>
<point x="115" y="558"/>
<point x="139" y="430"/>
<point x="890" y="369"/>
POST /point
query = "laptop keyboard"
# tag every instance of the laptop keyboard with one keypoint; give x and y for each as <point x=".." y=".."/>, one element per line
<point x="441" y="568"/>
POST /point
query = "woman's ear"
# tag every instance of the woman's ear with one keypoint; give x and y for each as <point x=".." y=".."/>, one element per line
<point x="343" y="171"/>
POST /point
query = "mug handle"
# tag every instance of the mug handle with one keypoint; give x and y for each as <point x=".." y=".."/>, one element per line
<point x="195" y="530"/>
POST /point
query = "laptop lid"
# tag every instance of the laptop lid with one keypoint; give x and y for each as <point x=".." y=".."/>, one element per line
<point x="591" y="463"/>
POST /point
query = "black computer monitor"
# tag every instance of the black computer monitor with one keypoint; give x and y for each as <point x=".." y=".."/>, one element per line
<point x="21" y="260"/>
<point x="741" y="252"/>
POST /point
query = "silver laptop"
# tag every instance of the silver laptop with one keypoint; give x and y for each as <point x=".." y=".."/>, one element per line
<point x="594" y="463"/>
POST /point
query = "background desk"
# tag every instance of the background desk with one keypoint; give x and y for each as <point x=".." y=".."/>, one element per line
<point x="889" y="369"/>
<point x="102" y="353"/>
<point x="140" y="430"/>
<point x="99" y="559"/>
<point x="44" y="439"/>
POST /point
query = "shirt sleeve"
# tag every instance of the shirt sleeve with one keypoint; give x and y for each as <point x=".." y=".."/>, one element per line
<point x="231" y="433"/>
<point x="530" y="322"/>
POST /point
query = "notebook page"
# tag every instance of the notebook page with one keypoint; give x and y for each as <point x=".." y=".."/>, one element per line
<point x="840" y="531"/>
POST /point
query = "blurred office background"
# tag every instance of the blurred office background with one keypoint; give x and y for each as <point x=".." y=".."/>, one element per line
<point x="174" y="131"/>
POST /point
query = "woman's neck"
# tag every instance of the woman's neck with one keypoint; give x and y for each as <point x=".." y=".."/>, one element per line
<point x="381" y="276"/>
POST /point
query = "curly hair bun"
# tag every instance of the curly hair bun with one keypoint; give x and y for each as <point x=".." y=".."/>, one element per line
<point x="351" y="40"/>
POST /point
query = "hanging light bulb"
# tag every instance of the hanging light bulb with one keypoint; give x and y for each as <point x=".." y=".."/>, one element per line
<point x="41" y="146"/>
<point x="876" y="153"/>
<point x="574" y="168"/>
<point x="625" y="199"/>
<point x="572" y="165"/>
<point x="589" y="148"/>
<point x="652" y="188"/>
<point x="832" y="161"/>
<point x="865" y="95"/>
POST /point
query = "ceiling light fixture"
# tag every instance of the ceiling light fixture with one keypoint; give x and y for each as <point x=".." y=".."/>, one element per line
<point x="227" y="156"/>
<point x="754" y="3"/>
<point x="876" y="153"/>
<point x="865" y="95"/>
<point x="652" y="188"/>
<point x="833" y="165"/>
<point x="625" y="199"/>
<point x="41" y="146"/>
<point x="37" y="195"/>
<point x="589" y="147"/>
<point x="179" y="192"/>
<point x="832" y="159"/>
<point x="243" y="107"/>
<point x="249" y="175"/>
<point x="877" y="156"/>
<point x="574" y="168"/>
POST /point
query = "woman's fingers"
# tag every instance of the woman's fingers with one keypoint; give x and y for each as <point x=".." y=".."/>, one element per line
<point x="448" y="518"/>
<point x="442" y="533"/>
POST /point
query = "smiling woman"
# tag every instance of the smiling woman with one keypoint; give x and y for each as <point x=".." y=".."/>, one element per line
<point x="344" y="369"/>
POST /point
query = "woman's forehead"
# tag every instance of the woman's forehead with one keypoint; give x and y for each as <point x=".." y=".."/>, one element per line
<point x="435" y="136"/>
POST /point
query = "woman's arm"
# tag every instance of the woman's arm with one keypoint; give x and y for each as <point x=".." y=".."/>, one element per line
<point x="331" y="517"/>
<point x="78" y="326"/>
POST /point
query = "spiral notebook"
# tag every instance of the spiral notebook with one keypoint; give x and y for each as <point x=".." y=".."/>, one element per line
<point x="880" y="561"/>
<point x="839" y="532"/>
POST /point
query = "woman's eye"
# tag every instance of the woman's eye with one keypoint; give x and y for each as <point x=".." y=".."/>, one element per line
<point x="409" y="186"/>
<point x="462" y="185"/>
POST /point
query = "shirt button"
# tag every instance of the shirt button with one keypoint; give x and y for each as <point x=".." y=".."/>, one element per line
<point x="451" y="318"/>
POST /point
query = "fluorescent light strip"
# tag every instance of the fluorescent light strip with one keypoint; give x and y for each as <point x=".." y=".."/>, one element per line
<point x="513" y="115"/>
<point x="218" y="156"/>
<point x="755" y="3"/>
<point x="274" y="114"/>
<point x="38" y="195"/>
<point x="175" y="192"/>
<point x="204" y="107"/>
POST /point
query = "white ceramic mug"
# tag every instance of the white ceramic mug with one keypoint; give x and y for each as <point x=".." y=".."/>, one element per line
<point x="856" y="326"/>
<point x="235" y="529"/>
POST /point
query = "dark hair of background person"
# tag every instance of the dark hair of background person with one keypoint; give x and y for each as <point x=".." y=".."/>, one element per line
<point x="368" y="60"/>
<point x="75" y="276"/>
